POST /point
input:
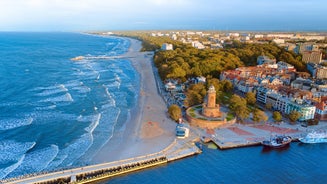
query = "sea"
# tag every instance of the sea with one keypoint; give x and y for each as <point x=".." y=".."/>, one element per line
<point x="295" y="164"/>
<point x="57" y="113"/>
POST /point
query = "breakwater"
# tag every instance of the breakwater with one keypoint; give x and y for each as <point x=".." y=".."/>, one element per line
<point x="176" y="150"/>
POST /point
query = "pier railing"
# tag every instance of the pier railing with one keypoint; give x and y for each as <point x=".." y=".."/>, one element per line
<point x="48" y="176"/>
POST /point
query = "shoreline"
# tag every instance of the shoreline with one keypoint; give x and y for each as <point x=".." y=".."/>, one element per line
<point x="148" y="129"/>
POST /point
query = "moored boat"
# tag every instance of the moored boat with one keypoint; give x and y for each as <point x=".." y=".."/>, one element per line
<point x="314" y="137"/>
<point x="277" y="142"/>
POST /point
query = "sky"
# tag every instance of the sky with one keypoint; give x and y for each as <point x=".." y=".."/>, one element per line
<point x="92" y="15"/>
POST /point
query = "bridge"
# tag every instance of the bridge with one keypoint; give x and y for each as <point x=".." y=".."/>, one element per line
<point x="180" y="148"/>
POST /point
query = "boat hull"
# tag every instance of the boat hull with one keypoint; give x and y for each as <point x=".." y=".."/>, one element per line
<point x="277" y="144"/>
<point x="313" y="140"/>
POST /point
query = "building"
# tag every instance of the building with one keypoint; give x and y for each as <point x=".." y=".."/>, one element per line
<point x="281" y="65"/>
<point x="167" y="46"/>
<point x="302" y="47"/>
<point x="312" y="56"/>
<point x="317" y="71"/>
<point x="321" y="109"/>
<point x="286" y="100"/>
<point x="278" y="41"/>
<point x="198" y="45"/>
<point x="264" y="59"/>
<point x="210" y="108"/>
<point x="306" y="110"/>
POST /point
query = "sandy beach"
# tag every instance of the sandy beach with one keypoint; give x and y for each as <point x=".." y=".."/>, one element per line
<point x="148" y="129"/>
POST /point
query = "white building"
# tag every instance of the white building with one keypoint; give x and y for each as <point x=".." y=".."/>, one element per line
<point x="167" y="46"/>
<point x="258" y="36"/>
<point x="278" y="41"/>
<point x="198" y="45"/>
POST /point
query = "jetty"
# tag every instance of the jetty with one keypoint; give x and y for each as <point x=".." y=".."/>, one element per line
<point x="179" y="148"/>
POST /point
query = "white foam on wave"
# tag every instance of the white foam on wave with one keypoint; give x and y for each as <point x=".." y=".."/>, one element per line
<point x="81" y="118"/>
<point x="82" y="89"/>
<point x="79" y="147"/>
<point x="12" y="123"/>
<point x="46" y="108"/>
<point x="73" y="83"/>
<point x="12" y="150"/>
<point x="52" y="90"/>
<point x="104" y="132"/>
<point x="56" y="161"/>
<point x="44" y="117"/>
<point x="36" y="161"/>
<point x="122" y="98"/>
<point x="5" y="171"/>
<point x="62" y="98"/>
<point x="76" y="149"/>
<point x="94" y="123"/>
<point x="111" y="100"/>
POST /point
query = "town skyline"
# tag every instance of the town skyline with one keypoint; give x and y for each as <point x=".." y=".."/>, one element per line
<point x="85" y="15"/>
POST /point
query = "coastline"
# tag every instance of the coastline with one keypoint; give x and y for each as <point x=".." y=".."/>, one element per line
<point x="148" y="129"/>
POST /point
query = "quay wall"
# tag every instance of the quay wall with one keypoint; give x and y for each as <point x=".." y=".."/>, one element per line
<point x="207" y="123"/>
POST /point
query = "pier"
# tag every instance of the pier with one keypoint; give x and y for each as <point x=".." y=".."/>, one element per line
<point x="179" y="148"/>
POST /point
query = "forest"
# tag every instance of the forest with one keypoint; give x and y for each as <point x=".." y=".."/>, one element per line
<point x="186" y="61"/>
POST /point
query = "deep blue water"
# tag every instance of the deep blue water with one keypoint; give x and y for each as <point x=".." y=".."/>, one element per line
<point x="298" y="163"/>
<point x="55" y="112"/>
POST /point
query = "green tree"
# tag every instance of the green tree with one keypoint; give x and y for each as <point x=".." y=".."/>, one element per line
<point x="175" y="112"/>
<point x="195" y="95"/>
<point x="227" y="86"/>
<point x="259" y="115"/>
<point x="277" y="116"/>
<point x="294" y="115"/>
<point x="250" y="98"/>
<point x="238" y="106"/>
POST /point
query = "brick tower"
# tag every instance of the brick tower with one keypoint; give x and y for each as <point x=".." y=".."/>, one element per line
<point x="210" y="108"/>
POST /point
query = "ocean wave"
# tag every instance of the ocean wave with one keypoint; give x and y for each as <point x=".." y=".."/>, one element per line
<point x="9" y="104"/>
<point x="36" y="161"/>
<point x="76" y="149"/>
<point x="46" y="108"/>
<point x="81" y="118"/>
<point x="122" y="96"/>
<point x="12" y="123"/>
<point x="82" y="89"/>
<point x="62" y="98"/>
<point x="5" y="171"/>
<point x="111" y="100"/>
<point x="94" y="123"/>
<point x="104" y="132"/>
<point x="43" y="117"/>
<point x="56" y="161"/>
<point x="11" y="150"/>
<point x="73" y="83"/>
<point x="53" y="90"/>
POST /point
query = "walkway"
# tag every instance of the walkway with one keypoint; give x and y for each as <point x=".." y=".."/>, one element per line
<point x="180" y="148"/>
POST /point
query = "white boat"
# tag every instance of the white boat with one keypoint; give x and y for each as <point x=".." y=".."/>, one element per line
<point x="315" y="137"/>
